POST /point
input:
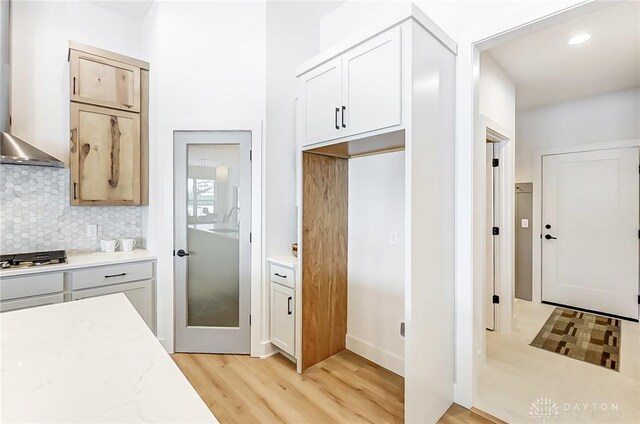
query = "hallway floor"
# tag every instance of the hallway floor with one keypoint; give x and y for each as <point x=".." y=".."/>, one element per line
<point x="516" y="379"/>
<point x="345" y="388"/>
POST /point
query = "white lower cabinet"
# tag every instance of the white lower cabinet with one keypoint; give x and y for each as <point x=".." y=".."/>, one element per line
<point x="135" y="279"/>
<point x="139" y="293"/>
<point x="31" y="302"/>
<point x="283" y="318"/>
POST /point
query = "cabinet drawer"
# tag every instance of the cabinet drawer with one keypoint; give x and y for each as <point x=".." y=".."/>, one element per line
<point x="282" y="275"/>
<point x="30" y="285"/>
<point x="31" y="302"/>
<point x="140" y="294"/>
<point x="108" y="275"/>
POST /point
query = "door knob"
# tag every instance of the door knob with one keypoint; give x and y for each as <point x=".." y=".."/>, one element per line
<point x="550" y="237"/>
<point x="181" y="253"/>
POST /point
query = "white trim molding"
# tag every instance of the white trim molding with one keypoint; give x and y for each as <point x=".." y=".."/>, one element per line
<point x="506" y="242"/>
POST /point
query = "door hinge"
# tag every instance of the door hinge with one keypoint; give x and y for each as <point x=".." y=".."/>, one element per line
<point x="250" y="154"/>
<point x="639" y="234"/>
<point x="402" y="328"/>
<point x="250" y="237"/>
<point x="249" y="319"/>
<point x="496" y="299"/>
<point x="495" y="231"/>
<point x="495" y="162"/>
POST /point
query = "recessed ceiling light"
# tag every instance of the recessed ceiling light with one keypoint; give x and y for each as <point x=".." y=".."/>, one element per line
<point x="579" y="39"/>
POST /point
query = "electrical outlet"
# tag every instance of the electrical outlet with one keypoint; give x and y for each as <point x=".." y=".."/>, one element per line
<point x="393" y="238"/>
<point x="92" y="230"/>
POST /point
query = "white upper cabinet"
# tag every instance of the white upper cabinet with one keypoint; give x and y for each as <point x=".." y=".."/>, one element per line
<point x="372" y="84"/>
<point x="322" y="99"/>
<point x="357" y="92"/>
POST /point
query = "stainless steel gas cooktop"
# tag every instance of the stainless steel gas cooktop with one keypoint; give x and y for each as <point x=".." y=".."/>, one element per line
<point x="25" y="260"/>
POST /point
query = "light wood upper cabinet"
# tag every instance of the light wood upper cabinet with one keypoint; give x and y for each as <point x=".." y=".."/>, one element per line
<point x="372" y="84"/>
<point x="105" y="156"/>
<point x="357" y="92"/>
<point x="322" y="94"/>
<point x="109" y="148"/>
<point x="105" y="82"/>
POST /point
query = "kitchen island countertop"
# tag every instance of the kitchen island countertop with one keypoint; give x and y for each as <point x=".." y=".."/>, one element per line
<point x="94" y="360"/>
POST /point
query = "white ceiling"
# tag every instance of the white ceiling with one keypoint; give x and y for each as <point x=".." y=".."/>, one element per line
<point x="548" y="70"/>
<point x="136" y="9"/>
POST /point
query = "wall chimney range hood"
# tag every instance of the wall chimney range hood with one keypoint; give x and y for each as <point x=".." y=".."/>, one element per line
<point x="12" y="149"/>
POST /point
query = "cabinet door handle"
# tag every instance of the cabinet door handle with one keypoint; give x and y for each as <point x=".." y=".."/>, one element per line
<point x="74" y="85"/>
<point x="337" y="112"/>
<point x="75" y="191"/>
<point x="289" y="306"/>
<point x="344" y="108"/>
<point x="116" y="275"/>
<point x="281" y="276"/>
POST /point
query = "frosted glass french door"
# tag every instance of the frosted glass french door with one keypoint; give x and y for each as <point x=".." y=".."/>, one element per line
<point x="212" y="209"/>
<point x="590" y="222"/>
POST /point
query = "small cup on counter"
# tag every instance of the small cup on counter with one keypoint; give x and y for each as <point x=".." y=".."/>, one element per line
<point x="109" y="246"/>
<point x="127" y="244"/>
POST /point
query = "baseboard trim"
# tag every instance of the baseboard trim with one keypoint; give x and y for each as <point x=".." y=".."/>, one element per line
<point x="268" y="349"/>
<point x="373" y="353"/>
<point x="489" y="417"/>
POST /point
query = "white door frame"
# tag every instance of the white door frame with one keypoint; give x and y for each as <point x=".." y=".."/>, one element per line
<point x="162" y="218"/>
<point x="505" y="245"/>
<point x="536" y="226"/>
<point x="203" y="338"/>
<point x="469" y="161"/>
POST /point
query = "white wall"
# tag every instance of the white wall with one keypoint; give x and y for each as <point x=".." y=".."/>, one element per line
<point x="607" y="117"/>
<point x="207" y="65"/>
<point x="40" y="41"/>
<point x="375" y="266"/>
<point x="292" y="38"/>
<point x="497" y="94"/>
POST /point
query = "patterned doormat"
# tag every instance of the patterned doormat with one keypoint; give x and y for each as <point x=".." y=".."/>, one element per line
<point x="580" y="335"/>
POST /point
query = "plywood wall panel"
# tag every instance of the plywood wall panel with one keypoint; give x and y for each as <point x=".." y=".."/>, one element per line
<point x="324" y="261"/>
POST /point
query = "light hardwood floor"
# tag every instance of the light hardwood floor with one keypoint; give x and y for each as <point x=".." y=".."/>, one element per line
<point x="344" y="388"/>
<point x="514" y="375"/>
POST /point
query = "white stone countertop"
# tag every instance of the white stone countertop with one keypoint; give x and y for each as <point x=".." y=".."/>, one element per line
<point x="93" y="360"/>
<point x="83" y="260"/>
<point x="288" y="261"/>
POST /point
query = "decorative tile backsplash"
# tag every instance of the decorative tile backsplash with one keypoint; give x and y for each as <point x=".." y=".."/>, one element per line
<point x="35" y="213"/>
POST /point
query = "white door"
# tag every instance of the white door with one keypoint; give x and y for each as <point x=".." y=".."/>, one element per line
<point x="492" y="196"/>
<point x="212" y="232"/>
<point x="322" y="100"/>
<point x="590" y="223"/>
<point x="372" y="84"/>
